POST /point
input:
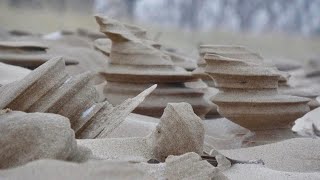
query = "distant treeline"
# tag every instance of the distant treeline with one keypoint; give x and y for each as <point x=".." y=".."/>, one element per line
<point x="294" y="16"/>
<point x="58" y="5"/>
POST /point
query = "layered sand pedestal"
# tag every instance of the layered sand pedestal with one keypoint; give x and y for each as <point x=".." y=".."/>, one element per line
<point x="136" y="62"/>
<point x="248" y="96"/>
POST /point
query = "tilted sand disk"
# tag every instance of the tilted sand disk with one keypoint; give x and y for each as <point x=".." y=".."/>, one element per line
<point x="28" y="54"/>
<point x="248" y="93"/>
<point x="135" y="65"/>
<point x="50" y="89"/>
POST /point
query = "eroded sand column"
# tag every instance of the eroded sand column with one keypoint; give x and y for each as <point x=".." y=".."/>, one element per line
<point x="135" y="64"/>
<point x="248" y="96"/>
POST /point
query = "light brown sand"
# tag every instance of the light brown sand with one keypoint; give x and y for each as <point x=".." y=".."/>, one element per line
<point x="254" y="172"/>
<point x="294" y="155"/>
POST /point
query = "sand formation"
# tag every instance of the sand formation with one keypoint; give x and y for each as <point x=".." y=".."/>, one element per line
<point x="226" y="50"/>
<point x="50" y="89"/>
<point x="135" y="64"/>
<point x="248" y="93"/>
<point x="199" y="72"/>
<point x="178" y="120"/>
<point x="28" y="54"/>
<point x="30" y="136"/>
<point x="231" y="51"/>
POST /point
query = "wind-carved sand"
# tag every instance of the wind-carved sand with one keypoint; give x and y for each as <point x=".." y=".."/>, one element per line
<point x="135" y="65"/>
<point x="50" y="89"/>
<point x="248" y="96"/>
<point x="27" y="137"/>
<point x="179" y="131"/>
<point x="30" y="54"/>
<point x="230" y="51"/>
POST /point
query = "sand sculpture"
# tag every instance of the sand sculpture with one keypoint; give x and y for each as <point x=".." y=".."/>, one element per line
<point x="135" y="64"/>
<point x="239" y="52"/>
<point x="178" y="120"/>
<point x="248" y="94"/>
<point x="200" y="70"/>
<point x="50" y="89"/>
<point x="28" y="54"/>
<point x="30" y="136"/>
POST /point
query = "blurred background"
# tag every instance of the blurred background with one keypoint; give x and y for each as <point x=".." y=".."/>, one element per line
<point x="275" y="28"/>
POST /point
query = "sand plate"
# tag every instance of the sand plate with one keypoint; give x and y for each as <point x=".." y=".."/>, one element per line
<point x="28" y="54"/>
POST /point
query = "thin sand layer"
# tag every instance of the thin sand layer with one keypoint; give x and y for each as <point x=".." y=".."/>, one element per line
<point x="254" y="172"/>
<point x="294" y="155"/>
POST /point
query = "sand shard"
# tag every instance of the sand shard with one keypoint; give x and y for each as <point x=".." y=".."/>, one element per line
<point x="50" y="89"/>
<point x="178" y="120"/>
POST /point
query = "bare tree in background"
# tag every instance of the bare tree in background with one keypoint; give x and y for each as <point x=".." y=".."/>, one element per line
<point x="189" y="13"/>
<point x="131" y="6"/>
<point x="25" y="3"/>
